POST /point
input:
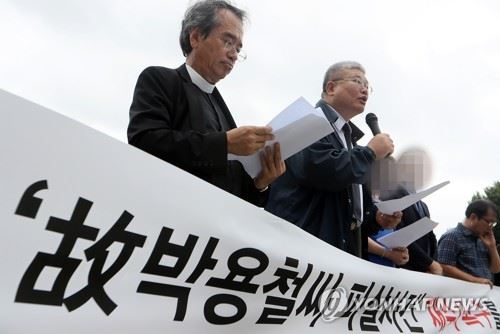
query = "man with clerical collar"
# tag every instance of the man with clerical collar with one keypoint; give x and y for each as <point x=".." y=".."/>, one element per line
<point x="468" y="252"/>
<point x="322" y="190"/>
<point x="179" y="115"/>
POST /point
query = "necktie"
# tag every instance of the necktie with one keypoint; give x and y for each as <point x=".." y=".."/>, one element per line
<point x="355" y="195"/>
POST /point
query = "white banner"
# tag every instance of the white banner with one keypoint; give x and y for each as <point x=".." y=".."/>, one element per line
<point x="99" y="237"/>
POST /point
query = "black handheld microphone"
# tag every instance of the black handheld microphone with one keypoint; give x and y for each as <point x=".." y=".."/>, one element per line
<point x="372" y="122"/>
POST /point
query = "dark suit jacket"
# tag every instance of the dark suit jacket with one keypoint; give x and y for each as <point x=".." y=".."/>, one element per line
<point x="167" y="121"/>
<point x="423" y="251"/>
<point x="315" y="191"/>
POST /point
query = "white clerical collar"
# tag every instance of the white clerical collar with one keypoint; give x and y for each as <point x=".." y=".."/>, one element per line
<point x="199" y="81"/>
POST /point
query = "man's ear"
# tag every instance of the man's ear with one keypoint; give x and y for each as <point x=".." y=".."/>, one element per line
<point x="194" y="37"/>
<point x="330" y="87"/>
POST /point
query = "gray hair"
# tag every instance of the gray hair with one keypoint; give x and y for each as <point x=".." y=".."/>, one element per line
<point x="333" y="71"/>
<point x="203" y="16"/>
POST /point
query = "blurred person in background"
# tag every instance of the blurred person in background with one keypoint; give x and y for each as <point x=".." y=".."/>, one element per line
<point x="412" y="173"/>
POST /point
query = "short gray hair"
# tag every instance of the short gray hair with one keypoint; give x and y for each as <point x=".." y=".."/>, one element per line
<point x="203" y="16"/>
<point x="333" y="71"/>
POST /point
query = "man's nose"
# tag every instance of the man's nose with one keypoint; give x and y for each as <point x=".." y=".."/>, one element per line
<point x="232" y="54"/>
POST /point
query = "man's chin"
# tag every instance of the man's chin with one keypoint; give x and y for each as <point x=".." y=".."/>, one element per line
<point x="222" y="75"/>
<point x="359" y="111"/>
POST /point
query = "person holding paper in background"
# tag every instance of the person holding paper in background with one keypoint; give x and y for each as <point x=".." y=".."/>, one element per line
<point x="322" y="189"/>
<point x="379" y="254"/>
<point x="179" y="116"/>
<point x="468" y="252"/>
<point x="412" y="171"/>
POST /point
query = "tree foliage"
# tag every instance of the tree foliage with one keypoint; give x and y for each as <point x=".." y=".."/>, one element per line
<point x="492" y="193"/>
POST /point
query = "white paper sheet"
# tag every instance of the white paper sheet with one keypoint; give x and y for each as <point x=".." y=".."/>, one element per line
<point x="292" y="113"/>
<point x="393" y="205"/>
<point x="296" y="127"/>
<point x="408" y="234"/>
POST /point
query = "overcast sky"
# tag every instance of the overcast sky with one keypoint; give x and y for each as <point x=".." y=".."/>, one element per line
<point x="434" y="66"/>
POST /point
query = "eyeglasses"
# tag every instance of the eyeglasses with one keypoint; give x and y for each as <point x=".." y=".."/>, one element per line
<point x="490" y="224"/>
<point x="230" y="45"/>
<point x="359" y="82"/>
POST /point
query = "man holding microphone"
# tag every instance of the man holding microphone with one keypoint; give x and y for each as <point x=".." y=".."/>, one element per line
<point x="323" y="190"/>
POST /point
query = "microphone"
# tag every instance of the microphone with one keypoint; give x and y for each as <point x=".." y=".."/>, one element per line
<point x="372" y="122"/>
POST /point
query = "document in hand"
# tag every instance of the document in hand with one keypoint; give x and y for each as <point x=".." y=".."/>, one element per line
<point x="408" y="234"/>
<point x="394" y="205"/>
<point x="295" y="128"/>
